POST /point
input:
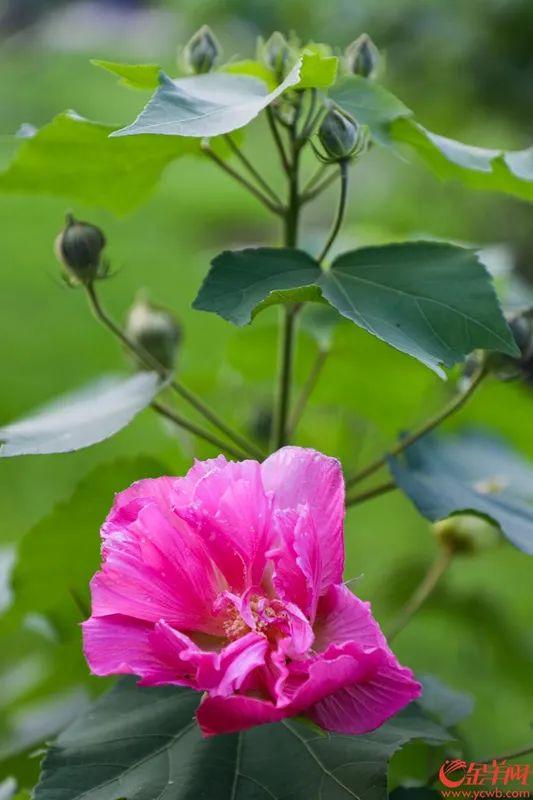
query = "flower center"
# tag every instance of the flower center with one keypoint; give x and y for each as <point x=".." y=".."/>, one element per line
<point x="261" y="614"/>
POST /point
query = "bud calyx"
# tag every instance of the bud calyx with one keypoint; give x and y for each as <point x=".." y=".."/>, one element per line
<point x="79" y="248"/>
<point x="202" y="51"/>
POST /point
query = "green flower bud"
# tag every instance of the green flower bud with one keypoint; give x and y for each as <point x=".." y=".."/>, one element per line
<point x="202" y="51"/>
<point x="467" y="533"/>
<point x="362" y="57"/>
<point x="507" y="368"/>
<point x="277" y="54"/>
<point x="79" y="248"/>
<point x="338" y="135"/>
<point x="155" y="329"/>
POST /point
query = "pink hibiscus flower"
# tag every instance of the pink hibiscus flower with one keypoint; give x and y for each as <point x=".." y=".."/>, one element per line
<point x="229" y="581"/>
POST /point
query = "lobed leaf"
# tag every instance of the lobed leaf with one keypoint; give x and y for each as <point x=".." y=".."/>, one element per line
<point x="206" y="105"/>
<point x="430" y="300"/>
<point x="469" y="473"/>
<point x="81" y="419"/>
<point x="243" y="281"/>
<point x="143" y="743"/>
<point x="393" y="123"/>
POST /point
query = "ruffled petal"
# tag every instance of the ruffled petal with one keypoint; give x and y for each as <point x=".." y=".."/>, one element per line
<point x="303" y="477"/>
<point x="117" y="645"/>
<point x="235" y="713"/>
<point x="154" y="566"/>
<point x="343" y="617"/>
<point x="230" y="513"/>
<point x="297" y="559"/>
<point x="367" y="704"/>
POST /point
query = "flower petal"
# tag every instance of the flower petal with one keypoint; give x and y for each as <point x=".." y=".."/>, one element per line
<point x="230" y="512"/>
<point x="343" y="617"/>
<point x="298" y="476"/>
<point x="365" y="705"/>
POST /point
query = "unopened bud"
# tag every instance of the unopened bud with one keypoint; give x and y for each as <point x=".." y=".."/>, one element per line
<point x="467" y="533"/>
<point x="79" y="248"/>
<point x="362" y="57"/>
<point x="277" y="54"/>
<point x="339" y="135"/>
<point x="507" y="368"/>
<point x="202" y="51"/>
<point x="155" y="330"/>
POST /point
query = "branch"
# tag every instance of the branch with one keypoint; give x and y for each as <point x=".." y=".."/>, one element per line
<point x="202" y="433"/>
<point x="454" y="405"/>
<point x="273" y="207"/>
<point x="420" y="595"/>
<point x="310" y="195"/>
<point x="149" y="361"/>
<point x="307" y="390"/>
<point x="278" y="140"/>
<point x="252" y="170"/>
<point x="369" y="494"/>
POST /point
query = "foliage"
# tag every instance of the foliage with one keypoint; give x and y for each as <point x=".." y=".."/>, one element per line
<point x="434" y="301"/>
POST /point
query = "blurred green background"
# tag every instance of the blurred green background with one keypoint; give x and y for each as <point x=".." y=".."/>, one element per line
<point x="467" y="69"/>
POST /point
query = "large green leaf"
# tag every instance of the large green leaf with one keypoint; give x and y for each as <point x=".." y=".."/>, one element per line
<point x="81" y="419"/>
<point x="74" y="158"/>
<point x="242" y="281"/>
<point x="470" y="473"/>
<point x="448" y="706"/>
<point x="431" y="300"/>
<point x="206" y="105"/>
<point x="391" y="122"/>
<point x="58" y="556"/>
<point x="142" y="744"/>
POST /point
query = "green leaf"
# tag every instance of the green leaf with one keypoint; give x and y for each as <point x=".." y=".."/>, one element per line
<point x="80" y="419"/>
<point x="59" y="555"/>
<point x="448" y="706"/>
<point x="469" y="473"/>
<point x="393" y="123"/>
<point x="318" y="71"/>
<point x="144" y="743"/>
<point x="206" y="105"/>
<point x="254" y="69"/>
<point x="432" y="300"/>
<point x="477" y="167"/>
<point x="118" y="175"/>
<point x="135" y="76"/>
<point x="369" y="103"/>
<point x="241" y="282"/>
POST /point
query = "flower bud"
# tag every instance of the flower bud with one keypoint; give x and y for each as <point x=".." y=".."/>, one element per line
<point x="277" y="54"/>
<point x="507" y="368"/>
<point x="466" y="533"/>
<point x="202" y="51"/>
<point x="79" y="248"/>
<point x="338" y="134"/>
<point x="155" y="329"/>
<point x="362" y="57"/>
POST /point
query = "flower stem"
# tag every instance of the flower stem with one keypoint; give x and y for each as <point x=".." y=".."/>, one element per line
<point x="149" y="361"/>
<point x="430" y="580"/>
<point x="278" y="140"/>
<point x="201" y="433"/>
<point x="307" y="390"/>
<point x="289" y="312"/>
<point x="369" y="494"/>
<point x="275" y="208"/>
<point x="247" y="164"/>
<point x="311" y="193"/>
<point x="454" y="405"/>
<point x="343" y="168"/>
